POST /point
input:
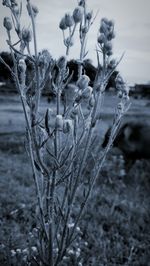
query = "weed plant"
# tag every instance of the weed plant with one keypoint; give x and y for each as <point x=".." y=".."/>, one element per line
<point x="60" y="142"/>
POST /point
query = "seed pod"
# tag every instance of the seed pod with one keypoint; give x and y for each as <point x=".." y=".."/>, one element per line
<point x="13" y="3"/>
<point x="22" y="66"/>
<point x="91" y="101"/>
<point x="108" y="46"/>
<point x="87" y="92"/>
<point x="109" y="52"/>
<point x="62" y="24"/>
<point x="16" y="10"/>
<point x="82" y="3"/>
<point x="45" y="58"/>
<point x="69" y="42"/>
<point x="120" y="94"/>
<point x="103" y="28"/>
<point x="120" y="107"/>
<point x="32" y="9"/>
<point x="74" y="112"/>
<point x="111" y="23"/>
<point x="78" y="14"/>
<point x="70" y="92"/>
<point x="67" y="126"/>
<point x="89" y="15"/>
<point x="69" y="20"/>
<point x="59" y="122"/>
<point x="102" y="38"/>
<point x="83" y="82"/>
<point x="105" y="20"/>
<point x="84" y="30"/>
<point x="7" y="23"/>
<point x="112" y="64"/>
<point x="61" y="62"/>
<point x="6" y="3"/>
<point x="26" y="35"/>
<point x="110" y="35"/>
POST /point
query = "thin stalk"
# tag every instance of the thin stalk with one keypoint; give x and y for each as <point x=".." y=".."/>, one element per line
<point x="101" y="161"/>
<point x="37" y="95"/>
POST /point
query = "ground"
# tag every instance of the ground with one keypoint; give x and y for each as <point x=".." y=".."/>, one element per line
<point x="115" y="227"/>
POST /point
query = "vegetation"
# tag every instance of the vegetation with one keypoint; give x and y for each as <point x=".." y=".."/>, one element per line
<point x="60" y="144"/>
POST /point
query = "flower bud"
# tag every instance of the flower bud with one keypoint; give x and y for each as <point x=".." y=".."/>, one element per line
<point x="120" y="94"/>
<point x="74" y="113"/>
<point x="84" y="30"/>
<point x="78" y="14"/>
<point x="26" y="35"/>
<point x="7" y="23"/>
<point x="67" y="126"/>
<point x="91" y="101"/>
<point x="45" y="58"/>
<point x="62" y="24"/>
<point x="112" y="64"/>
<point x="13" y="3"/>
<point x="22" y="66"/>
<point x="108" y="46"/>
<point x="103" y="28"/>
<point x="6" y="3"/>
<point x="87" y="92"/>
<point x="59" y="122"/>
<point x="105" y="20"/>
<point x="109" y="52"/>
<point x="120" y="107"/>
<point x="69" y="42"/>
<point x="82" y="3"/>
<point x="83" y="82"/>
<point x="89" y="15"/>
<point x="102" y="38"/>
<point x="16" y="10"/>
<point x="69" y="20"/>
<point x="32" y="9"/>
<point x="61" y="62"/>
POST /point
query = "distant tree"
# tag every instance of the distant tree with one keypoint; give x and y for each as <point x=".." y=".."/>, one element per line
<point x="90" y="70"/>
<point x="4" y="72"/>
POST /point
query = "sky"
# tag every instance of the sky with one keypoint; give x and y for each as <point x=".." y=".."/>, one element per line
<point x="132" y="27"/>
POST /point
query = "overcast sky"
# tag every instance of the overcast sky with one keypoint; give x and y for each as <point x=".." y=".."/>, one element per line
<point x="132" y="26"/>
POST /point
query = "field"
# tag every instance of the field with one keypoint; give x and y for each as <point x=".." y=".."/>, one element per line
<point x="115" y="227"/>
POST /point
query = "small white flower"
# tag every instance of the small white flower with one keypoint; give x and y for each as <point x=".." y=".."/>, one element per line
<point x="70" y="252"/>
<point x="13" y="253"/>
<point x="70" y="225"/>
<point x="78" y="229"/>
<point x="18" y="251"/>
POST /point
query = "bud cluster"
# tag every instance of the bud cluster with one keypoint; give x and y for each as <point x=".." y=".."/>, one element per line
<point x="69" y="20"/>
<point x="64" y="125"/>
<point x="106" y="35"/>
<point x="123" y="90"/>
<point x="44" y="59"/>
<point x="85" y="92"/>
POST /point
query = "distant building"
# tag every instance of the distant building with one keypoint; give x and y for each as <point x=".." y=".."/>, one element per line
<point x="140" y="91"/>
